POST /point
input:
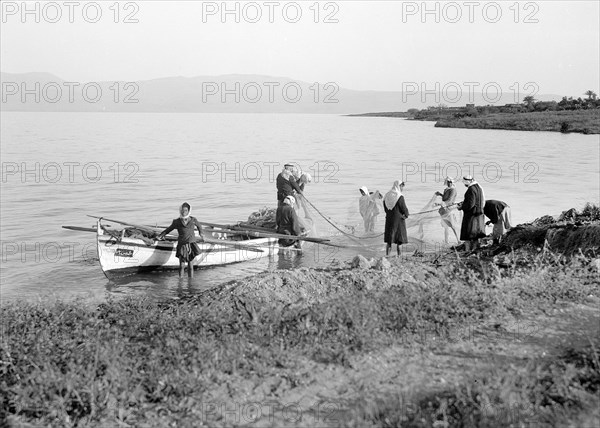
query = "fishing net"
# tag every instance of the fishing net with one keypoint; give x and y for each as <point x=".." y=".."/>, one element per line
<point x="306" y="216"/>
<point x="417" y="223"/>
<point x="425" y="226"/>
<point x="265" y="217"/>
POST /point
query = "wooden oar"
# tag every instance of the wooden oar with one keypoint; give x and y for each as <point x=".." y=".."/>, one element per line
<point x="207" y="240"/>
<point x="251" y="226"/>
<point x="240" y="225"/>
<point x="258" y="229"/>
<point x="137" y="226"/>
<point x="257" y="234"/>
<point x="80" y="229"/>
<point x="246" y="226"/>
<point x="233" y="244"/>
<point x="222" y="242"/>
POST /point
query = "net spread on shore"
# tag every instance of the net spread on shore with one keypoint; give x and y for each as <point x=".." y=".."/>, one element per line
<point x="425" y="227"/>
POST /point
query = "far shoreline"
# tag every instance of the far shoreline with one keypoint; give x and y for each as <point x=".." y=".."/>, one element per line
<point x="509" y="118"/>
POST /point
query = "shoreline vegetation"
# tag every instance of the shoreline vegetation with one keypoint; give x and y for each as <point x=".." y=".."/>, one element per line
<point x="504" y="336"/>
<point x="568" y="115"/>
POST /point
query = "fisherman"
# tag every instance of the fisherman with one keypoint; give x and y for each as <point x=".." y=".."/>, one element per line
<point x="288" y="223"/>
<point x="286" y="185"/>
<point x="302" y="179"/>
<point x="473" y="222"/>
<point x="396" y="213"/>
<point x="187" y="248"/>
<point x="498" y="213"/>
<point x="448" y="211"/>
<point x="367" y="205"/>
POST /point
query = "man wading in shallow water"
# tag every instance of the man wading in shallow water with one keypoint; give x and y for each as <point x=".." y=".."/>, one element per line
<point x="368" y="208"/>
<point x="448" y="212"/>
<point x="286" y="185"/>
<point x="473" y="223"/>
<point x="187" y="249"/>
<point x="288" y="223"/>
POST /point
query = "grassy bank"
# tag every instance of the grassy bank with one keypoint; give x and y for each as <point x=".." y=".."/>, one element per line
<point x="562" y="391"/>
<point x="581" y="121"/>
<point x="139" y="361"/>
<point x="329" y="347"/>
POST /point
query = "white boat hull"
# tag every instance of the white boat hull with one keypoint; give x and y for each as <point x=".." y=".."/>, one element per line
<point x="121" y="254"/>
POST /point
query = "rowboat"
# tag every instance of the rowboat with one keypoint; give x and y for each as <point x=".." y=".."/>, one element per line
<point x="133" y="249"/>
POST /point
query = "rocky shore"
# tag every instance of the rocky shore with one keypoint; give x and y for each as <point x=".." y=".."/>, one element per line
<point x="505" y="336"/>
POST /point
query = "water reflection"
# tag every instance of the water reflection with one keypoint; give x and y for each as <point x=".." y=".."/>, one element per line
<point x="289" y="258"/>
<point x="161" y="284"/>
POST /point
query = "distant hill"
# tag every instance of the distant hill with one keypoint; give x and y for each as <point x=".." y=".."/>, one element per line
<point x="209" y="94"/>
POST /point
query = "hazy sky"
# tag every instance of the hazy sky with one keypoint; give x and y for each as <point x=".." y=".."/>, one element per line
<point x="374" y="45"/>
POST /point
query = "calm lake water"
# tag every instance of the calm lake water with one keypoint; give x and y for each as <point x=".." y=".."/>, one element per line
<point x="58" y="167"/>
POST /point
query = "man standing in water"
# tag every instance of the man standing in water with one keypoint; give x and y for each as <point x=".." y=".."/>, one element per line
<point x="447" y="210"/>
<point x="368" y="208"/>
<point x="288" y="223"/>
<point x="286" y="184"/>
<point x="187" y="248"/>
<point x="473" y="223"/>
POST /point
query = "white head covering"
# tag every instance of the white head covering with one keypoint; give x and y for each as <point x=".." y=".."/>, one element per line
<point x="366" y="203"/>
<point x="393" y="195"/>
<point x="297" y="173"/>
<point x="181" y="216"/>
<point x="306" y="177"/>
<point x="289" y="200"/>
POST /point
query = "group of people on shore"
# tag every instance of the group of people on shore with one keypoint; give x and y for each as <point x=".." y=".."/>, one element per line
<point x="290" y="185"/>
<point x="291" y="182"/>
<point x="474" y="208"/>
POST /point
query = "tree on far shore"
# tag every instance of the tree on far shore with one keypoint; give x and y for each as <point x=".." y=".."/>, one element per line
<point x="528" y="100"/>
<point x="591" y="94"/>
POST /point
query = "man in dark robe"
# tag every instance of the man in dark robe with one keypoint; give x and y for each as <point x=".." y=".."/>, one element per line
<point x="286" y="184"/>
<point x="288" y="223"/>
<point x="499" y="214"/>
<point x="396" y="213"/>
<point x="473" y="223"/>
